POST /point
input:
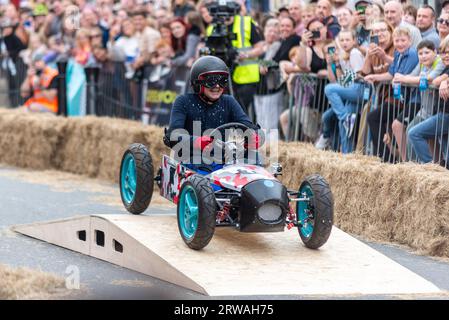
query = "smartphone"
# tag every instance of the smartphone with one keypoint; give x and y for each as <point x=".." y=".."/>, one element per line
<point x="375" y="39"/>
<point x="361" y="9"/>
<point x="316" y="34"/>
<point x="331" y="50"/>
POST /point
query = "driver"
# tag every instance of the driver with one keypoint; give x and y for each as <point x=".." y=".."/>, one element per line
<point x="208" y="105"/>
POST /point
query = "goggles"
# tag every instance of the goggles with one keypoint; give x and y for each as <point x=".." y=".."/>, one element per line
<point x="211" y="80"/>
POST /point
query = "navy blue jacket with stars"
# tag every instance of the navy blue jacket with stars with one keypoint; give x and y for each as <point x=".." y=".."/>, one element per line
<point x="189" y="108"/>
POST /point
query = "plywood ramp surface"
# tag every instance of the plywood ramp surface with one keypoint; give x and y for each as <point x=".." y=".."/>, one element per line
<point x="236" y="263"/>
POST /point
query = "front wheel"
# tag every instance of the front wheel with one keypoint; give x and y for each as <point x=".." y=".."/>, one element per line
<point x="196" y="212"/>
<point x="136" y="178"/>
<point x="315" y="216"/>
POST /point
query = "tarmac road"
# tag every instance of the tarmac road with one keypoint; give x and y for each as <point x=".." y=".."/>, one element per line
<point x="31" y="196"/>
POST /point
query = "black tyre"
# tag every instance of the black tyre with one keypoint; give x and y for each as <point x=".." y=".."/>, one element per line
<point x="197" y="209"/>
<point x="316" y="216"/>
<point x="136" y="178"/>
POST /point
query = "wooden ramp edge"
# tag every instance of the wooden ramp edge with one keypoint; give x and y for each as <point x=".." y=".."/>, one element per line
<point x="233" y="263"/>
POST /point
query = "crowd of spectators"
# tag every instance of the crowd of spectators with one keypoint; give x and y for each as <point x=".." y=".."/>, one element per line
<point x="343" y="41"/>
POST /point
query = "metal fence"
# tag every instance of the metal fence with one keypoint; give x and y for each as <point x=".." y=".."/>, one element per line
<point x="12" y="75"/>
<point x="408" y="124"/>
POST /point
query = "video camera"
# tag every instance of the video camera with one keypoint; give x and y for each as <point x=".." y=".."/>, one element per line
<point x="219" y="43"/>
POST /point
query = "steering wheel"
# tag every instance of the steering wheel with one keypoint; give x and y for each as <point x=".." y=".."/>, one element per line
<point x="233" y="141"/>
<point x="237" y="125"/>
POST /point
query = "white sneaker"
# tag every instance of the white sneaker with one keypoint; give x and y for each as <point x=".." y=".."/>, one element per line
<point x="322" y="143"/>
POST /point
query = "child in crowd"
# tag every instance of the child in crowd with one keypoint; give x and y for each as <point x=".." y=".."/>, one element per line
<point x="436" y="125"/>
<point x="344" y="95"/>
<point x="405" y="60"/>
<point x="430" y="66"/>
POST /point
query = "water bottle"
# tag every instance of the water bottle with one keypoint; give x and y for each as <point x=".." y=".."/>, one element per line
<point x="366" y="92"/>
<point x="397" y="90"/>
<point x="423" y="82"/>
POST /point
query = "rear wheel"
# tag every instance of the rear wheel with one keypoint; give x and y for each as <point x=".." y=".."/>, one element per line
<point x="136" y="178"/>
<point x="315" y="216"/>
<point x="196" y="212"/>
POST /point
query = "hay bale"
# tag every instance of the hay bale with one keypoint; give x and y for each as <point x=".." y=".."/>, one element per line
<point x="90" y="146"/>
<point x="405" y="203"/>
<point x="22" y="283"/>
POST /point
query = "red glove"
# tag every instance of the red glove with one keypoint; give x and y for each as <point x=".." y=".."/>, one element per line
<point x="253" y="142"/>
<point x="202" y="142"/>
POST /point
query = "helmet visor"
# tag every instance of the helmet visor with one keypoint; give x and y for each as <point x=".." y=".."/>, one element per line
<point x="211" y="80"/>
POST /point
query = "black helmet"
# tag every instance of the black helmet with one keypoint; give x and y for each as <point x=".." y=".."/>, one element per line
<point x="206" y="65"/>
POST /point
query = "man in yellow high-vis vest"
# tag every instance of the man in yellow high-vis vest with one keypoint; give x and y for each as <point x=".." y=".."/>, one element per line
<point x="248" y="43"/>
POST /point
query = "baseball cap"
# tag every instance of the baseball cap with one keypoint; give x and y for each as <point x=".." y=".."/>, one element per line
<point x="40" y="9"/>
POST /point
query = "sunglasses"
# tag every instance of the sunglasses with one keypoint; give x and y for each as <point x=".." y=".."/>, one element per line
<point x="212" y="80"/>
<point x="95" y="36"/>
<point x="446" y="22"/>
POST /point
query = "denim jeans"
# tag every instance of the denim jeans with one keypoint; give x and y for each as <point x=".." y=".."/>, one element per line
<point x="343" y="99"/>
<point x="435" y="126"/>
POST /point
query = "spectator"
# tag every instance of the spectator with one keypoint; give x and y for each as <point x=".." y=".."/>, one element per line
<point x="96" y="37"/>
<point x="36" y="45"/>
<point x="314" y="62"/>
<point x="405" y="60"/>
<point x="345" y="18"/>
<point x="126" y="48"/>
<point x="425" y="23"/>
<point x="56" y="15"/>
<point x="374" y="13"/>
<point x="283" y="12"/>
<point x="323" y="11"/>
<point x="55" y="49"/>
<point x="290" y="66"/>
<point x="271" y="41"/>
<point x="288" y="37"/>
<point x="343" y="97"/>
<point x="438" y="124"/>
<point x="445" y="6"/>
<point x="430" y="64"/>
<point x="338" y="4"/>
<point x="410" y="14"/>
<point x="394" y="14"/>
<point x="308" y="13"/>
<point x="165" y="32"/>
<point x="312" y="49"/>
<point x="40" y="86"/>
<point x="378" y="59"/>
<point x="181" y="7"/>
<point x="163" y="55"/>
<point x="201" y="7"/>
<point x="184" y="42"/>
<point x="82" y="51"/>
<point x="295" y="12"/>
<point x="40" y="20"/>
<point x="443" y="25"/>
<point x="195" y="21"/>
<point x="146" y="36"/>
<point x="362" y="29"/>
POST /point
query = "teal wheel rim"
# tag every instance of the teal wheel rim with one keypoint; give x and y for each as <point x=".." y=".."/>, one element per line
<point x="304" y="212"/>
<point x="128" y="179"/>
<point x="188" y="212"/>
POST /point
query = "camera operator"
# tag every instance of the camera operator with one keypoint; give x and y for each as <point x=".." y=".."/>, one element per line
<point x="249" y="46"/>
<point x="40" y="86"/>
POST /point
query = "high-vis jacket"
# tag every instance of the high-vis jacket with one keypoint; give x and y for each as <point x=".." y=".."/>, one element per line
<point x="39" y="83"/>
<point x="247" y="71"/>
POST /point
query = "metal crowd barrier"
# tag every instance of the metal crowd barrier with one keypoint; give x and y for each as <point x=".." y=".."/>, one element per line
<point x="380" y="121"/>
<point x="12" y="75"/>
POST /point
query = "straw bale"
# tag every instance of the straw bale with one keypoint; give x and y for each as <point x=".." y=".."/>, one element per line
<point x="405" y="203"/>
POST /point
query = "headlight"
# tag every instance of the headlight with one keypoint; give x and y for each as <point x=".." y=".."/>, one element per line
<point x="270" y="213"/>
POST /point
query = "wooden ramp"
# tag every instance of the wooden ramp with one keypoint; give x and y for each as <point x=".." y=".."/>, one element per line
<point x="233" y="263"/>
